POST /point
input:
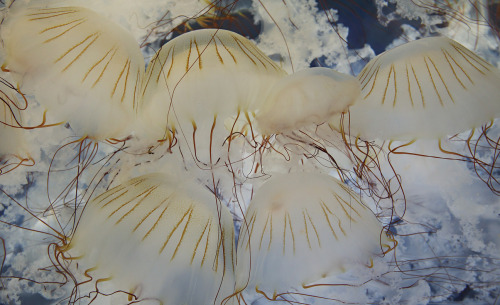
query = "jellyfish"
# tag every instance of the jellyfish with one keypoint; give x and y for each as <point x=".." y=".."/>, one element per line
<point x="300" y="228"/>
<point x="201" y="88"/>
<point x="431" y="88"/>
<point x="425" y="88"/>
<point x="82" y="68"/>
<point x="310" y="96"/>
<point x="296" y="106"/>
<point x="155" y="237"/>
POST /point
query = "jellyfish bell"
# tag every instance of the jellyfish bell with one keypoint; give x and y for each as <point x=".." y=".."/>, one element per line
<point x="83" y="68"/>
<point x="199" y="80"/>
<point x="300" y="228"/>
<point x="306" y="97"/>
<point x="157" y="237"/>
<point x="429" y="88"/>
<point x="295" y="117"/>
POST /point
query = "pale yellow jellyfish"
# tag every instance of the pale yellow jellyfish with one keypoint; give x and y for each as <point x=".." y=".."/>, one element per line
<point x="83" y="68"/>
<point x="300" y="228"/>
<point x="433" y="88"/>
<point x="427" y="88"/>
<point x="199" y="84"/>
<point x="156" y="237"/>
<point x="310" y="96"/>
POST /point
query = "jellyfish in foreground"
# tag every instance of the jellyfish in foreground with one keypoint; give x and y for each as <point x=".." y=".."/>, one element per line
<point x="429" y="88"/>
<point x="302" y="227"/>
<point x="199" y="85"/>
<point x="432" y="88"/>
<point x="83" y="68"/>
<point x="157" y="237"/>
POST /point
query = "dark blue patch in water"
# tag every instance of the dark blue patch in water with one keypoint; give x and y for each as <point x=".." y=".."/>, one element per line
<point x="466" y="293"/>
<point x="361" y="18"/>
<point x="18" y="220"/>
<point x="18" y="248"/>
<point x="34" y="299"/>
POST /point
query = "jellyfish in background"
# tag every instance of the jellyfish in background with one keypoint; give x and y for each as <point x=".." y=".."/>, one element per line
<point x="265" y="148"/>
<point x="310" y="96"/>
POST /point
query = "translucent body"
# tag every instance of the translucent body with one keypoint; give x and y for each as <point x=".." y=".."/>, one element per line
<point x="158" y="237"/>
<point x="310" y="96"/>
<point x="301" y="227"/>
<point x="83" y="68"/>
<point x="428" y="88"/>
<point x="199" y="80"/>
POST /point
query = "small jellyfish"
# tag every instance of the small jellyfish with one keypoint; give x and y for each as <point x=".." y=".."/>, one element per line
<point x="300" y="228"/>
<point x="429" y="88"/>
<point x="84" y="69"/>
<point x="199" y="85"/>
<point x="155" y="237"/>
<point x="310" y="96"/>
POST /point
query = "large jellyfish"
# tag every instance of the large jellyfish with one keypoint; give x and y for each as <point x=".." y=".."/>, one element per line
<point x="432" y="88"/>
<point x="84" y="69"/>
<point x="205" y="116"/>
<point x="302" y="227"/>
<point x="428" y="88"/>
<point x="156" y="237"/>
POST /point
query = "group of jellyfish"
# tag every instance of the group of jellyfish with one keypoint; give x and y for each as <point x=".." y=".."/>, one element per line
<point x="153" y="224"/>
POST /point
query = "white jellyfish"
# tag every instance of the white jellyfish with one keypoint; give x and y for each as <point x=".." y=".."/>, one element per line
<point x="199" y="85"/>
<point x="427" y="88"/>
<point x="310" y="96"/>
<point x="83" y="68"/>
<point x="432" y="88"/>
<point x="300" y="228"/>
<point x="156" y="237"/>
